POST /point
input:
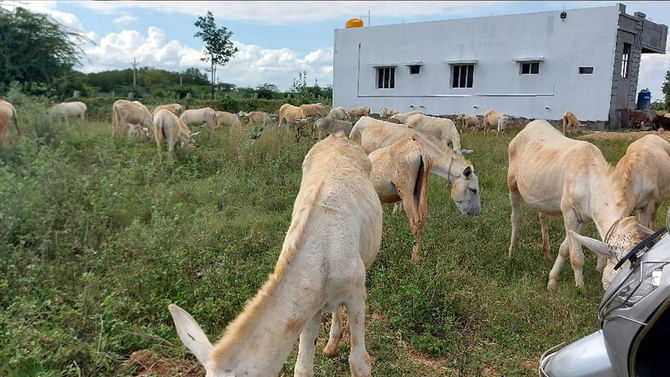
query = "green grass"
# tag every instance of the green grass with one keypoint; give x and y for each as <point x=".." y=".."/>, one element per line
<point x="97" y="237"/>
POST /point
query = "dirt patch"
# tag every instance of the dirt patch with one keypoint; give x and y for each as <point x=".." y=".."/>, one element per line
<point x="629" y="135"/>
<point x="429" y="365"/>
<point x="530" y="364"/>
<point x="145" y="363"/>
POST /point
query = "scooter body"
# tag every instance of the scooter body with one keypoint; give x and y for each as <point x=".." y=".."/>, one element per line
<point x="634" y="324"/>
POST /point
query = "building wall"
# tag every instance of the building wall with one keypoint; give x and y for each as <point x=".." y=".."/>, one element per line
<point x="644" y="37"/>
<point x="586" y="37"/>
<point x="624" y="88"/>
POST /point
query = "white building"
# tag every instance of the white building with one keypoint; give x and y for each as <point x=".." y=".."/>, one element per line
<point x="535" y="65"/>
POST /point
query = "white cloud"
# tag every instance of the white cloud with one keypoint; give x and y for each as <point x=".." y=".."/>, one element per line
<point x="306" y="12"/>
<point x="117" y="50"/>
<point x="252" y="65"/>
<point x="124" y="20"/>
<point x="91" y="35"/>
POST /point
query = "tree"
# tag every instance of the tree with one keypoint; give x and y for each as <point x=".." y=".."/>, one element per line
<point x="300" y="83"/>
<point x="194" y="76"/>
<point x="64" y="86"/>
<point x="107" y="81"/>
<point x="150" y="77"/>
<point x="246" y="92"/>
<point x="305" y="93"/>
<point x="267" y="91"/>
<point x="225" y="87"/>
<point x="35" y="48"/>
<point x="218" y="47"/>
<point x="666" y="88"/>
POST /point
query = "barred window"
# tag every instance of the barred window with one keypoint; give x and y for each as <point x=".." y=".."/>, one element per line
<point x="530" y="68"/>
<point x="386" y="77"/>
<point x="462" y="75"/>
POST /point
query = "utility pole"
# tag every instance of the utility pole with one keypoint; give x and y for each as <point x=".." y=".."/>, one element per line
<point x="134" y="72"/>
<point x="361" y="17"/>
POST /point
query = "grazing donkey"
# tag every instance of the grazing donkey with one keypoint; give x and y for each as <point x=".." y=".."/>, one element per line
<point x="373" y="134"/>
<point x="7" y="112"/>
<point x="400" y="172"/>
<point x="560" y="176"/>
<point x="333" y="238"/>
<point x="645" y="176"/>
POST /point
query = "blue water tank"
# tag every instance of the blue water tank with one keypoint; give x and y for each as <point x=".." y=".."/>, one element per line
<point x="644" y="100"/>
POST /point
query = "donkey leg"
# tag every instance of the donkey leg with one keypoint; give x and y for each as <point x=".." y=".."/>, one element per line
<point x="304" y="365"/>
<point x="515" y="201"/>
<point x="418" y="231"/>
<point x="600" y="263"/>
<point x="648" y="215"/>
<point x="652" y="217"/>
<point x="159" y="142"/>
<point x="563" y="252"/>
<point x="566" y="250"/>
<point x="544" y="225"/>
<point x="359" y="360"/>
<point x="576" y="254"/>
<point x="335" y="333"/>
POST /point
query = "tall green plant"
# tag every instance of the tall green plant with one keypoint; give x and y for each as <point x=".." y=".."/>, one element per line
<point x="34" y="48"/>
<point x="218" y="47"/>
<point x="304" y="93"/>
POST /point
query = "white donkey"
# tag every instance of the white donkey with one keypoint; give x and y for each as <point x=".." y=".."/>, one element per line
<point x="334" y="236"/>
<point x="374" y="134"/>
<point x="558" y="176"/>
<point x="65" y="110"/>
<point x="645" y="176"/>
<point x="400" y="173"/>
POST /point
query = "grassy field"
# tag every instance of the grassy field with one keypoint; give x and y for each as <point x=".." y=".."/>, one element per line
<point x="97" y="237"/>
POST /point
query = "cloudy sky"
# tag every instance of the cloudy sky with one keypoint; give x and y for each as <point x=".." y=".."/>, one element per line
<point x="277" y="39"/>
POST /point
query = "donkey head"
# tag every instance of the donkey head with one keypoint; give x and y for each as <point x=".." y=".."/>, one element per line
<point x="465" y="192"/>
<point x="622" y="236"/>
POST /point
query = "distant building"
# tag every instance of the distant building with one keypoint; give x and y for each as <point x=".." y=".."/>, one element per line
<point x="534" y="65"/>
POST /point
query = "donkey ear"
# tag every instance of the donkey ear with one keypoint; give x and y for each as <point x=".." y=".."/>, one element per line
<point x="597" y="246"/>
<point x="191" y="334"/>
<point x="467" y="171"/>
<point x="644" y="230"/>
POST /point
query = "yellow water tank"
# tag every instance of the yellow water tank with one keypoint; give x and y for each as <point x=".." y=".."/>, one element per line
<point x="354" y="22"/>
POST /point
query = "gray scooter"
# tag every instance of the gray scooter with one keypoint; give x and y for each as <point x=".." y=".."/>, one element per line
<point x="634" y="321"/>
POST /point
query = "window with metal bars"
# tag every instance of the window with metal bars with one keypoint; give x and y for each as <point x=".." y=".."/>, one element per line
<point x="385" y="77"/>
<point x="530" y="68"/>
<point x="462" y="75"/>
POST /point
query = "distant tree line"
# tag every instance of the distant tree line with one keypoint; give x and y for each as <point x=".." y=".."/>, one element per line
<point x="149" y="82"/>
<point x="152" y="82"/>
<point x="41" y="55"/>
